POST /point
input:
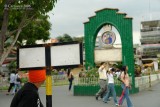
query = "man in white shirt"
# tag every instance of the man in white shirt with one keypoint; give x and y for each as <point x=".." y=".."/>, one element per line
<point x="102" y="80"/>
<point x="12" y="80"/>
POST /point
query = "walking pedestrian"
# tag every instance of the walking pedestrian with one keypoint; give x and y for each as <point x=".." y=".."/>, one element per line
<point x="11" y="81"/>
<point x="70" y="78"/>
<point x="111" y="88"/>
<point x="125" y="86"/>
<point x="28" y="95"/>
<point x="102" y="80"/>
<point x="17" y="83"/>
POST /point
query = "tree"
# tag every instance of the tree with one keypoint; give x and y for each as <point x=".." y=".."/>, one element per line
<point x="38" y="29"/>
<point x="65" y="38"/>
<point x="79" y="39"/>
<point x="18" y="14"/>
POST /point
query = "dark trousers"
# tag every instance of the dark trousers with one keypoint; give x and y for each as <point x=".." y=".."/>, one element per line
<point x="10" y="87"/>
<point x="70" y="83"/>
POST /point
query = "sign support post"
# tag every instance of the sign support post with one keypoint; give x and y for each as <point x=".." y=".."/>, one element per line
<point x="48" y="89"/>
<point x="48" y="77"/>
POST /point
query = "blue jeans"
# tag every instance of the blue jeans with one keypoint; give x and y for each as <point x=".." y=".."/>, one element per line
<point x="111" y="89"/>
<point x="70" y="83"/>
<point x="126" y="95"/>
<point x="17" y="86"/>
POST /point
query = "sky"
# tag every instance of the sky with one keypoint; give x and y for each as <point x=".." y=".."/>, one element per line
<point x="68" y="16"/>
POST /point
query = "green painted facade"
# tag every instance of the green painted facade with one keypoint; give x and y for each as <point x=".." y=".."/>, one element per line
<point x="123" y="25"/>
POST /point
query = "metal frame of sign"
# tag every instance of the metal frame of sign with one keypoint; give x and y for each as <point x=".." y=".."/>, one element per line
<point x="48" y="56"/>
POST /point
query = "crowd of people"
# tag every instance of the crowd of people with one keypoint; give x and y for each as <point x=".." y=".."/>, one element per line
<point x="106" y="83"/>
<point x="107" y="87"/>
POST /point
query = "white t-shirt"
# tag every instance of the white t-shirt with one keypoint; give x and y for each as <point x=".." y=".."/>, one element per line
<point x="110" y="78"/>
<point x="102" y="73"/>
<point x="118" y="73"/>
<point x="12" y="77"/>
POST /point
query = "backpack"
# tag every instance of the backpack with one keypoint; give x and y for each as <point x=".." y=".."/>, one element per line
<point x="18" y="79"/>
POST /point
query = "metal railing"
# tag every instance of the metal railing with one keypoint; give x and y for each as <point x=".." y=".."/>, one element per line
<point x="92" y="81"/>
<point x="56" y="80"/>
<point x="60" y="80"/>
<point x="142" y="82"/>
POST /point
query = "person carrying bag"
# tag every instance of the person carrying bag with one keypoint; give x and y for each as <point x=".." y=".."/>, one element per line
<point x="125" y="86"/>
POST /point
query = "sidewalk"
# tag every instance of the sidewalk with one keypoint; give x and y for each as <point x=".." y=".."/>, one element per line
<point x="63" y="98"/>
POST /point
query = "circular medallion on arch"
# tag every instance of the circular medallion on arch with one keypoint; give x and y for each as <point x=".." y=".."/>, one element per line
<point x="108" y="37"/>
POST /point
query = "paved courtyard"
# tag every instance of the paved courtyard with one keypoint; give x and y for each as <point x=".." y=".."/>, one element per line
<point x="63" y="98"/>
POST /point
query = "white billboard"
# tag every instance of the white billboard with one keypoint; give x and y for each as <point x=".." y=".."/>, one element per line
<point x="110" y="55"/>
<point x="50" y="55"/>
<point x="63" y="55"/>
<point x="32" y="57"/>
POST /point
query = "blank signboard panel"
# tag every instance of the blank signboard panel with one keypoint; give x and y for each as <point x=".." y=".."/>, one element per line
<point x="65" y="55"/>
<point x="32" y="57"/>
<point x="108" y="55"/>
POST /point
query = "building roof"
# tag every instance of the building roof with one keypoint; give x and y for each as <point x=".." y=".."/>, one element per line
<point x="153" y="23"/>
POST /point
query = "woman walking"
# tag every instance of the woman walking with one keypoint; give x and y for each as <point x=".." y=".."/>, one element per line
<point x="111" y="88"/>
<point x="70" y="78"/>
<point x="125" y="86"/>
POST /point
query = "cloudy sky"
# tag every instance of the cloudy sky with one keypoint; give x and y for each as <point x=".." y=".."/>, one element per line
<point x="68" y="16"/>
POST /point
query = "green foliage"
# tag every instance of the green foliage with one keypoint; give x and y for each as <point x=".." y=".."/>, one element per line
<point x="36" y="30"/>
<point x="65" y="38"/>
<point x="118" y="65"/>
<point x="54" y="72"/>
<point x="79" y="39"/>
<point x="12" y="66"/>
<point x="24" y="80"/>
<point x="3" y="88"/>
<point x="37" y="26"/>
<point x="137" y="69"/>
<point x="92" y="72"/>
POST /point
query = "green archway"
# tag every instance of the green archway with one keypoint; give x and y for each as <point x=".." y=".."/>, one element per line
<point x="122" y="23"/>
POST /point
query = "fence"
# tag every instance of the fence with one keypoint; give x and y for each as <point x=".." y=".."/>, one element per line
<point x="57" y="80"/>
<point x="147" y="81"/>
<point x="92" y="81"/>
<point x="89" y="86"/>
<point x="60" y="80"/>
<point x="141" y="82"/>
